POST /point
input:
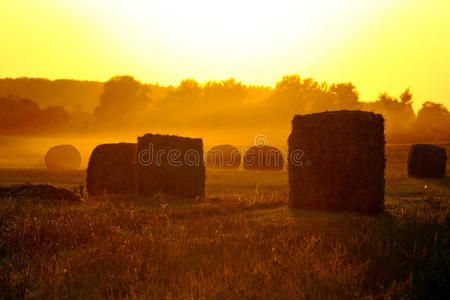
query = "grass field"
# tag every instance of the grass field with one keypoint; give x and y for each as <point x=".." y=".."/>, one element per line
<point x="242" y="241"/>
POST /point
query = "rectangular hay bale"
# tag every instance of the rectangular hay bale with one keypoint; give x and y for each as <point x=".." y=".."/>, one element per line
<point x="170" y="165"/>
<point x="112" y="170"/>
<point x="337" y="161"/>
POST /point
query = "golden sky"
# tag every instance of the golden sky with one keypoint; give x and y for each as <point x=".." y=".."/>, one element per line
<point x="382" y="45"/>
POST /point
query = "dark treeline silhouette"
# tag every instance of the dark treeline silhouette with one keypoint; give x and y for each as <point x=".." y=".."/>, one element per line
<point x="64" y="92"/>
<point x="21" y="116"/>
<point x="125" y="104"/>
<point x="122" y="102"/>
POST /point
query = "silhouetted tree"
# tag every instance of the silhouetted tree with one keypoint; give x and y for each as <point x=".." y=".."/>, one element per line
<point x="45" y="92"/>
<point x="399" y="114"/>
<point x="433" y="122"/>
<point x="80" y="121"/>
<point x="227" y="104"/>
<point x="293" y="95"/>
<point x="406" y="97"/>
<point x="122" y="102"/>
<point x="54" y="118"/>
<point x="22" y="116"/>
<point x="224" y="93"/>
<point x="344" y="96"/>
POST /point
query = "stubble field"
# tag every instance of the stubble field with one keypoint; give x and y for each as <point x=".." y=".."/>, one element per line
<point x="242" y="241"/>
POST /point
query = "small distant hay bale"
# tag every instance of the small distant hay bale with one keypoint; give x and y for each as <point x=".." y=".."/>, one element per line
<point x="112" y="170"/>
<point x="170" y="165"/>
<point x="38" y="193"/>
<point x="63" y="157"/>
<point x="337" y="161"/>
<point x="263" y="158"/>
<point x="426" y="161"/>
<point x="223" y="156"/>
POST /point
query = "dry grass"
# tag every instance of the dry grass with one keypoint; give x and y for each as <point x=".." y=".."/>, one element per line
<point x="241" y="242"/>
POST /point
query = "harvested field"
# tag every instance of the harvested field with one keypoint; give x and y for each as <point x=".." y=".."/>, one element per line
<point x="241" y="241"/>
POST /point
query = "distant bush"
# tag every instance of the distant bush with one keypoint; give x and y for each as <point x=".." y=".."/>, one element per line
<point x="21" y="116"/>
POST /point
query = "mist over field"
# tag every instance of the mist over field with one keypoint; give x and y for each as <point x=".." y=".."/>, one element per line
<point x="215" y="110"/>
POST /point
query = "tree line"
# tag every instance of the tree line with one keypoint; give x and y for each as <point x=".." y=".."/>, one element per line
<point x="125" y="104"/>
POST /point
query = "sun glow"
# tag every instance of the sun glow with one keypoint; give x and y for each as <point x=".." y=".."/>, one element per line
<point x="217" y="39"/>
<point x="256" y="42"/>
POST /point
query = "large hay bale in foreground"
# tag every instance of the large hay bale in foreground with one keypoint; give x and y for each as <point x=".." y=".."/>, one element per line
<point x="426" y="161"/>
<point x="112" y="170"/>
<point x="337" y="161"/>
<point x="223" y="156"/>
<point x="263" y="158"/>
<point x="170" y="165"/>
<point x="63" y="157"/>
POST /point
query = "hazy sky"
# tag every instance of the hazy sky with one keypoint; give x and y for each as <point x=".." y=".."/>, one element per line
<point x="382" y="45"/>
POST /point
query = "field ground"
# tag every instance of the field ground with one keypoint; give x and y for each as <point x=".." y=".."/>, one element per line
<point x="242" y="241"/>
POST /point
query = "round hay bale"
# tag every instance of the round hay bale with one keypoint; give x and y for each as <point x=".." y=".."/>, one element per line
<point x="223" y="156"/>
<point x="426" y="161"/>
<point x="112" y="170"/>
<point x="263" y="158"/>
<point x="63" y="157"/>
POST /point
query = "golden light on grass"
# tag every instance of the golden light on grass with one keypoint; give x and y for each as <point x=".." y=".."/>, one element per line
<point x="230" y="73"/>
